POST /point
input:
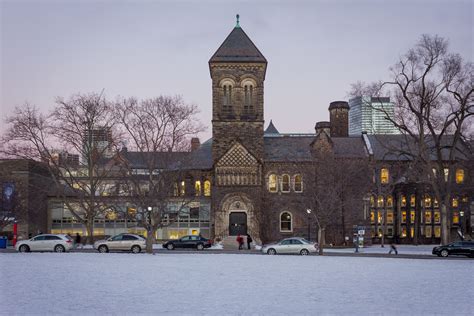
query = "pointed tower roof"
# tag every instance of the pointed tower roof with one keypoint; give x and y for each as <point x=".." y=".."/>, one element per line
<point x="271" y="129"/>
<point x="238" y="47"/>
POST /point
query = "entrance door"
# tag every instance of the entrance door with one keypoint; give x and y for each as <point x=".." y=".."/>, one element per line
<point x="237" y="223"/>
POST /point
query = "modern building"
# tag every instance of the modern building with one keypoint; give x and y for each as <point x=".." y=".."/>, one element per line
<point x="368" y="114"/>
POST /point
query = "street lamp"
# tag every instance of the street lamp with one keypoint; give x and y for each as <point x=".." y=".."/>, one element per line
<point x="149" y="215"/>
<point x="461" y="213"/>
<point x="309" y="223"/>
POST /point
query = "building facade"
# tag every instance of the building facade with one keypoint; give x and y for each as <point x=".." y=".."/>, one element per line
<point x="367" y="114"/>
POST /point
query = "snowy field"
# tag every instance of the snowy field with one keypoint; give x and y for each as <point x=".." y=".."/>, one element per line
<point x="228" y="284"/>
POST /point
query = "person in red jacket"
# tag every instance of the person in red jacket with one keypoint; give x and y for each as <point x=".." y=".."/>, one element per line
<point x="240" y="241"/>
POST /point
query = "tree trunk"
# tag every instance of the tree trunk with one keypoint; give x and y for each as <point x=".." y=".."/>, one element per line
<point x="150" y="240"/>
<point x="444" y="223"/>
<point x="90" y="232"/>
<point x="321" y="240"/>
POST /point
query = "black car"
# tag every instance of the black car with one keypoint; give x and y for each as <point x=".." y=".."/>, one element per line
<point x="459" y="248"/>
<point x="191" y="241"/>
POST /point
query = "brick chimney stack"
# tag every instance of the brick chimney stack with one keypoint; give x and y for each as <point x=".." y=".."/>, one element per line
<point x="195" y="143"/>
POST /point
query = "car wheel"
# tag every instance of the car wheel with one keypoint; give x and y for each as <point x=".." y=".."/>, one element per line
<point x="136" y="249"/>
<point x="24" y="248"/>
<point x="200" y="247"/>
<point x="103" y="249"/>
<point x="271" y="251"/>
<point x="444" y="253"/>
<point x="170" y="247"/>
<point x="59" y="248"/>
<point x="304" y="252"/>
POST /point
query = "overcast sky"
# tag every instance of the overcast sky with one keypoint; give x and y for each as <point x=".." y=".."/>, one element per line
<point x="315" y="49"/>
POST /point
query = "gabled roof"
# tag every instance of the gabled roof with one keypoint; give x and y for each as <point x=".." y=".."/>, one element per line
<point x="238" y="47"/>
<point x="271" y="129"/>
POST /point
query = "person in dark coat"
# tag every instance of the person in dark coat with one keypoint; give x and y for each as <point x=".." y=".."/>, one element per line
<point x="249" y="241"/>
<point x="78" y="240"/>
<point x="240" y="241"/>
<point x="393" y="248"/>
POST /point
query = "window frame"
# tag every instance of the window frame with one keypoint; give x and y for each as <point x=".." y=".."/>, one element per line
<point x="301" y="183"/>
<point x="276" y="182"/>
<point x="282" y="183"/>
<point x="384" y="175"/>
<point x="290" y="221"/>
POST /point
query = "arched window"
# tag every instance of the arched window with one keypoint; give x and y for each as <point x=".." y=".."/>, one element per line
<point x="285" y="183"/>
<point x="389" y="201"/>
<point x="412" y="200"/>
<point x="286" y="224"/>
<point x="207" y="188"/>
<point x="248" y="98"/>
<point x="384" y="175"/>
<point x="182" y="188"/>
<point x="227" y="101"/>
<point x="197" y="188"/>
<point x="298" y="183"/>
<point x="427" y="201"/>
<point x="459" y="176"/>
<point x="372" y="201"/>
<point x="380" y="201"/>
<point x="272" y="183"/>
<point x="403" y="201"/>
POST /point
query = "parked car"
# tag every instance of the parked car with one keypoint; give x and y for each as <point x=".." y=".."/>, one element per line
<point x="46" y="242"/>
<point x="294" y="245"/>
<point x="197" y="242"/>
<point x="121" y="242"/>
<point x="458" y="248"/>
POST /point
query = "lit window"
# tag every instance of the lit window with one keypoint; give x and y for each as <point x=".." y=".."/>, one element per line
<point x="427" y="201"/>
<point x="272" y="183"/>
<point x="459" y="176"/>
<point x="182" y="190"/>
<point x="285" y="183"/>
<point x="428" y="231"/>
<point x="207" y="188"/>
<point x="389" y="217"/>
<point x="412" y="232"/>
<point x="434" y="172"/>
<point x="389" y="201"/>
<point x="404" y="217"/>
<point x="111" y="215"/>
<point x="403" y="233"/>
<point x="437" y="217"/>
<point x="437" y="231"/>
<point x="380" y="201"/>
<point x="435" y="203"/>
<point x="379" y="217"/>
<point x="412" y="200"/>
<point x="404" y="201"/>
<point x="131" y="211"/>
<point x="412" y="217"/>
<point x="298" y="183"/>
<point x="455" y="218"/>
<point x="428" y="217"/>
<point x="380" y="232"/>
<point x="446" y="174"/>
<point x="372" y="201"/>
<point x="285" y="222"/>
<point x="455" y="202"/>
<point x="384" y="175"/>
<point x="372" y="217"/>
<point x="197" y="188"/>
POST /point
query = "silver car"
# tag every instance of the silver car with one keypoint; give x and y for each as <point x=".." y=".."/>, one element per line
<point x="294" y="245"/>
<point x="46" y="242"/>
<point x="122" y="242"/>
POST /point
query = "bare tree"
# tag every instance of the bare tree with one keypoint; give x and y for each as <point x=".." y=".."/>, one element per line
<point x="433" y="95"/>
<point x="338" y="185"/>
<point x="158" y="130"/>
<point x="81" y="126"/>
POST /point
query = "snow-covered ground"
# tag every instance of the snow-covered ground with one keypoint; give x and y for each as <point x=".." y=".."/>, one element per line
<point x="229" y="284"/>
<point x="402" y="249"/>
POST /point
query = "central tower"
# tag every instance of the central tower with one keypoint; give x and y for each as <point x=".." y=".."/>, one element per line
<point x="238" y="72"/>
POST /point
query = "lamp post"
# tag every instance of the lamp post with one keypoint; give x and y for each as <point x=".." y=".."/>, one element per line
<point x="461" y="222"/>
<point x="148" y="215"/>
<point x="309" y="223"/>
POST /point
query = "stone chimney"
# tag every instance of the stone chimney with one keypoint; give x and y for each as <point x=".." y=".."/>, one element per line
<point x="195" y="143"/>
<point x="323" y="126"/>
<point x="339" y="118"/>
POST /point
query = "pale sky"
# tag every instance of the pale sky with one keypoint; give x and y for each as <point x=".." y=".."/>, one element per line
<point x="315" y="49"/>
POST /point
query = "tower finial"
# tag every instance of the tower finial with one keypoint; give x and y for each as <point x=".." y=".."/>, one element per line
<point x="237" y="24"/>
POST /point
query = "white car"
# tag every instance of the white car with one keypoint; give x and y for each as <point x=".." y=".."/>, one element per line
<point x="294" y="245"/>
<point x="46" y="242"/>
<point x="124" y="242"/>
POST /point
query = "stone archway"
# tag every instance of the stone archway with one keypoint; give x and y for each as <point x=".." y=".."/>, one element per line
<point x="236" y="203"/>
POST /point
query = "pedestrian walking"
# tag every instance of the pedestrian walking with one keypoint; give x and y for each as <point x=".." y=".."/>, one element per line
<point x="249" y="241"/>
<point x="240" y="241"/>
<point x="78" y="240"/>
<point x="393" y="248"/>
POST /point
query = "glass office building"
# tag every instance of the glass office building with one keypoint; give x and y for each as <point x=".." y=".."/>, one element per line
<point x="368" y="114"/>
